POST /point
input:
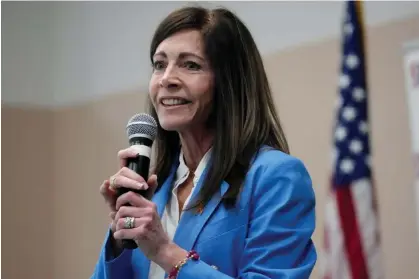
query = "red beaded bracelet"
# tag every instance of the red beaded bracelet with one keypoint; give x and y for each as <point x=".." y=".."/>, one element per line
<point x="192" y="255"/>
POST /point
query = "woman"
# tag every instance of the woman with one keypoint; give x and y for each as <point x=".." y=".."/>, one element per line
<point x="229" y="201"/>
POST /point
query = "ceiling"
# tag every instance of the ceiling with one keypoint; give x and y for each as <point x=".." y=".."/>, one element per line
<point x="60" y="53"/>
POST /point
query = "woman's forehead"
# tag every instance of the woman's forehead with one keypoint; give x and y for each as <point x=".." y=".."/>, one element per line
<point x="184" y="41"/>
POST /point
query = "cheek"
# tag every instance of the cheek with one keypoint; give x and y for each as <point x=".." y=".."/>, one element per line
<point x="207" y="97"/>
<point x="203" y="87"/>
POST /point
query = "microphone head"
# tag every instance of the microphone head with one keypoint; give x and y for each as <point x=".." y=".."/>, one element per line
<point x="142" y="125"/>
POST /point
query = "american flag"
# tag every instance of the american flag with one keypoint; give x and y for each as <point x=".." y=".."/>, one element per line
<point x="351" y="234"/>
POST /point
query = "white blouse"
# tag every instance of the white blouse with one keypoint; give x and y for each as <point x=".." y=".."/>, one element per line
<point x="170" y="217"/>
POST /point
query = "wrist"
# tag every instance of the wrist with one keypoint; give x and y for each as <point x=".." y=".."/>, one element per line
<point x="170" y="255"/>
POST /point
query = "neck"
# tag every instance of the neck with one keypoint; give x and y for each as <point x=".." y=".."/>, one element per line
<point x="195" y="144"/>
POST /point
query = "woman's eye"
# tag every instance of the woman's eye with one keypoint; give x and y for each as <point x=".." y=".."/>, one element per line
<point x="158" y="65"/>
<point x="190" y="65"/>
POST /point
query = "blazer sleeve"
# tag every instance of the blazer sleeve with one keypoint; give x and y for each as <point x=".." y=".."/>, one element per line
<point x="282" y="221"/>
<point x="108" y="267"/>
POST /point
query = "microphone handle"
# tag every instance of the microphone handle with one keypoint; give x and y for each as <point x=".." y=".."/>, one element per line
<point x="140" y="165"/>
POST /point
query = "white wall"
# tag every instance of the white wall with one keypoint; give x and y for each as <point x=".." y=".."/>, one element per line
<point x="57" y="53"/>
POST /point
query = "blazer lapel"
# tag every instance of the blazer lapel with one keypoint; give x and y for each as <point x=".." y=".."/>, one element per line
<point x="192" y="223"/>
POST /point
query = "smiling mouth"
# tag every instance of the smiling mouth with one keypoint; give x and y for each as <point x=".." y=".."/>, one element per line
<point x="174" y="102"/>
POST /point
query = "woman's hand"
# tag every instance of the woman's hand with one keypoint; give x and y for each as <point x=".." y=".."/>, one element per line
<point x="109" y="196"/>
<point x="147" y="229"/>
<point x="127" y="179"/>
<point x="124" y="177"/>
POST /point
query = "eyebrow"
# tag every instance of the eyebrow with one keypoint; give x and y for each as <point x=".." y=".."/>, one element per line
<point x="181" y="55"/>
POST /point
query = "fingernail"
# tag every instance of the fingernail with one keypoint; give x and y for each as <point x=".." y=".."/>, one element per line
<point x="142" y="186"/>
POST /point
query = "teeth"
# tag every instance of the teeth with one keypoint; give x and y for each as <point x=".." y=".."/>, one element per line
<point x="173" y="102"/>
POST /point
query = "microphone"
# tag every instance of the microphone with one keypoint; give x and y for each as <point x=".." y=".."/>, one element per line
<point x="141" y="131"/>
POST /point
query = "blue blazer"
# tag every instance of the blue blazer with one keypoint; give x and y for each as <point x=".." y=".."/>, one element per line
<point x="268" y="235"/>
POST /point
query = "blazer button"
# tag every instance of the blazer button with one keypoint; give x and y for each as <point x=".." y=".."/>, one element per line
<point x="214" y="267"/>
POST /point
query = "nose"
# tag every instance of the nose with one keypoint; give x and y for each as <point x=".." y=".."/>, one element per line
<point x="170" y="79"/>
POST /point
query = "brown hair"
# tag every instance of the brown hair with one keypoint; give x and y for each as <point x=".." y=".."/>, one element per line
<point x="243" y="117"/>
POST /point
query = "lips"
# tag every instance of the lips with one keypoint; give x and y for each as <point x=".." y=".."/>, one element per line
<point x="174" y="101"/>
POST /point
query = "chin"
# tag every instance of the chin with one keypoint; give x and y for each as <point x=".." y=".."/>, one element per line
<point x="173" y="124"/>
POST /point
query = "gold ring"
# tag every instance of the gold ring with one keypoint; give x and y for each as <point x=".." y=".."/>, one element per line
<point x="112" y="184"/>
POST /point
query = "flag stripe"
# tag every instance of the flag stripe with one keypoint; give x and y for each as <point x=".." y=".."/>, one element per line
<point x="351" y="233"/>
<point x="334" y="240"/>
<point x="362" y="193"/>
